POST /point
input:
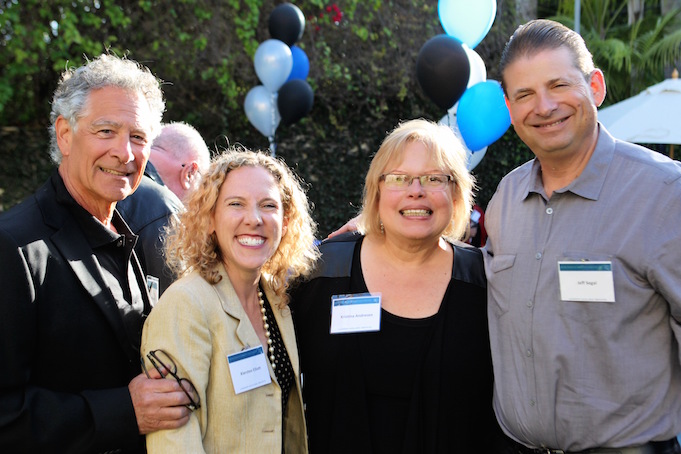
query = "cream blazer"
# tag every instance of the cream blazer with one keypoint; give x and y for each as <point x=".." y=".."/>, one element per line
<point x="199" y="324"/>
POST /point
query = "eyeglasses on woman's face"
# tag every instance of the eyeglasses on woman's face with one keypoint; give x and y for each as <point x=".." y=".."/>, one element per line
<point x="430" y="182"/>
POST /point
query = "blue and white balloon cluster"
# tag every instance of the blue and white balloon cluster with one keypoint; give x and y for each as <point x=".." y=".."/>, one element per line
<point x="454" y="77"/>
<point x="284" y="96"/>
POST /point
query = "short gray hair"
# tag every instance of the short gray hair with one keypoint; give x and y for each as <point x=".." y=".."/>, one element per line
<point x="184" y="142"/>
<point x="107" y="70"/>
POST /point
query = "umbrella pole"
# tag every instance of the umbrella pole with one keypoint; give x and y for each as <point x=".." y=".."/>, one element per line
<point x="671" y="151"/>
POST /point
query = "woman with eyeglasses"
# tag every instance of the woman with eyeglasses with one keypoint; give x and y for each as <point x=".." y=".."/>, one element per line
<point x="224" y="330"/>
<point x="392" y="326"/>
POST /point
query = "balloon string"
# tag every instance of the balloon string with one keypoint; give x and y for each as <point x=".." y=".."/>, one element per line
<point x="273" y="146"/>
<point x="273" y="118"/>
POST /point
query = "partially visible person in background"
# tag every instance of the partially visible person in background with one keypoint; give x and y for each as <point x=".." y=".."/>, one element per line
<point x="73" y="295"/>
<point x="392" y="326"/>
<point x="179" y="155"/>
<point x="477" y="235"/>
<point x="148" y="211"/>
<point x="224" y="327"/>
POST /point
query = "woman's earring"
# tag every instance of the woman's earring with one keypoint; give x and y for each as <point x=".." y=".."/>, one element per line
<point x="382" y="229"/>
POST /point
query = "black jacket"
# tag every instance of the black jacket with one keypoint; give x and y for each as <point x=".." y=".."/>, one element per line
<point x="65" y="357"/>
<point x="148" y="211"/>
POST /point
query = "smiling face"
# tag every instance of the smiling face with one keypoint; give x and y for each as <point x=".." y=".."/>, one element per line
<point x="248" y="220"/>
<point x="414" y="213"/>
<point x="103" y="158"/>
<point x="552" y="106"/>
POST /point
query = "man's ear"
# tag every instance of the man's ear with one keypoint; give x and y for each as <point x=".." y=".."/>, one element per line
<point x="64" y="134"/>
<point x="189" y="174"/>
<point x="508" y="106"/>
<point x="597" y="85"/>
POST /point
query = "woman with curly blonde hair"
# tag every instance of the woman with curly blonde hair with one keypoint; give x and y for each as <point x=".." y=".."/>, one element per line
<point x="224" y="329"/>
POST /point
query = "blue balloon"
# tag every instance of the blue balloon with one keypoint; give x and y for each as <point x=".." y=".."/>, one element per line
<point x="473" y="157"/>
<point x="482" y="115"/>
<point x="467" y="20"/>
<point x="301" y="64"/>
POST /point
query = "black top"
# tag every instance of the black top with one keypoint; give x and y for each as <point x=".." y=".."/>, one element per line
<point x="394" y="353"/>
<point x="284" y="370"/>
<point x="418" y="385"/>
<point x="114" y="252"/>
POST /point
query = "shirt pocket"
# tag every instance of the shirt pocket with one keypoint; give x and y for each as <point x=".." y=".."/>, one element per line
<point x="499" y="281"/>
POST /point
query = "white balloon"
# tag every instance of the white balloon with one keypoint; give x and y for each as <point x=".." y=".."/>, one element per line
<point x="478" y="71"/>
<point x="273" y="62"/>
<point x="473" y="157"/>
<point x="261" y="109"/>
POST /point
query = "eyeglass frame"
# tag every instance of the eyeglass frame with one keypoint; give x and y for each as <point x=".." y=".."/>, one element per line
<point x="153" y="359"/>
<point x="421" y="178"/>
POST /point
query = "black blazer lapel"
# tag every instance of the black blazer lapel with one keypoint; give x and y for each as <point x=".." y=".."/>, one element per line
<point x="77" y="252"/>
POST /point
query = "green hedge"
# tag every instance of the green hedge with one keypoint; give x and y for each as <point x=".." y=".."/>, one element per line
<point x="362" y="71"/>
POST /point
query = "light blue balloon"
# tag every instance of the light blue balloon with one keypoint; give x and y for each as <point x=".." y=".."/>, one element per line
<point x="482" y="115"/>
<point x="467" y="20"/>
<point x="273" y="62"/>
<point x="261" y="109"/>
<point x="301" y="64"/>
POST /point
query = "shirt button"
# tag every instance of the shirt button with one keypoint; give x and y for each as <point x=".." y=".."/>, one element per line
<point x="529" y="303"/>
<point x="549" y="210"/>
<point x="537" y="255"/>
<point x="528" y="353"/>
<point x="532" y="402"/>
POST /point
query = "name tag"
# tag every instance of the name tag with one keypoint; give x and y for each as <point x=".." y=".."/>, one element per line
<point x="355" y="313"/>
<point x="586" y="281"/>
<point x="153" y="288"/>
<point x="249" y="369"/>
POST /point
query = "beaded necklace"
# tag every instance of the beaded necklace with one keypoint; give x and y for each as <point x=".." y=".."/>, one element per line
<point x="266" y="325"/>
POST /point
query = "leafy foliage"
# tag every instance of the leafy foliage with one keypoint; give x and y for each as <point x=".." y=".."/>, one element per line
<point x="362" y="68"/>
<point x="634" y="56"/>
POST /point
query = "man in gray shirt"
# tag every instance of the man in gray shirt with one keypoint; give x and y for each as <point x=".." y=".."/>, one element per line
<point x="583" y="265"/>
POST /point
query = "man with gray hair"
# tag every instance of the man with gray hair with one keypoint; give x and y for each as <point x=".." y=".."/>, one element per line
<point x="73" y="295"/>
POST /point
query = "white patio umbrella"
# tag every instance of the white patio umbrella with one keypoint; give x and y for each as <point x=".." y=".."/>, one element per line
<point x="652" y="116"/>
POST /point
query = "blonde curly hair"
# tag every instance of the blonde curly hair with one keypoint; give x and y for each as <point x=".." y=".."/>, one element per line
<point x="189" y="246"/>
<point x="449" y="155"/>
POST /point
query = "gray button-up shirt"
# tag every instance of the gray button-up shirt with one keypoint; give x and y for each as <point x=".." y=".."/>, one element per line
<point x="576" y="375"/>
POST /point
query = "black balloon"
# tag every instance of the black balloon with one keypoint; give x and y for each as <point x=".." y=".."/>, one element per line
<point x="442" y="69"/>
<point x="287" y="23"/>
<point x="294" y="101"/>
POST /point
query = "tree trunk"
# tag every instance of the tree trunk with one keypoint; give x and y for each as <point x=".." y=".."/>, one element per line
<point x="635" y="9"/>
<point x="666" y="6"/>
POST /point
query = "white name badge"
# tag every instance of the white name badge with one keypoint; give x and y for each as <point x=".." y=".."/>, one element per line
<point x="153" y="287"/>
<point x="355" y="313"/>
<point x="586" y="281"/>
<point x="249" y="369"/>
